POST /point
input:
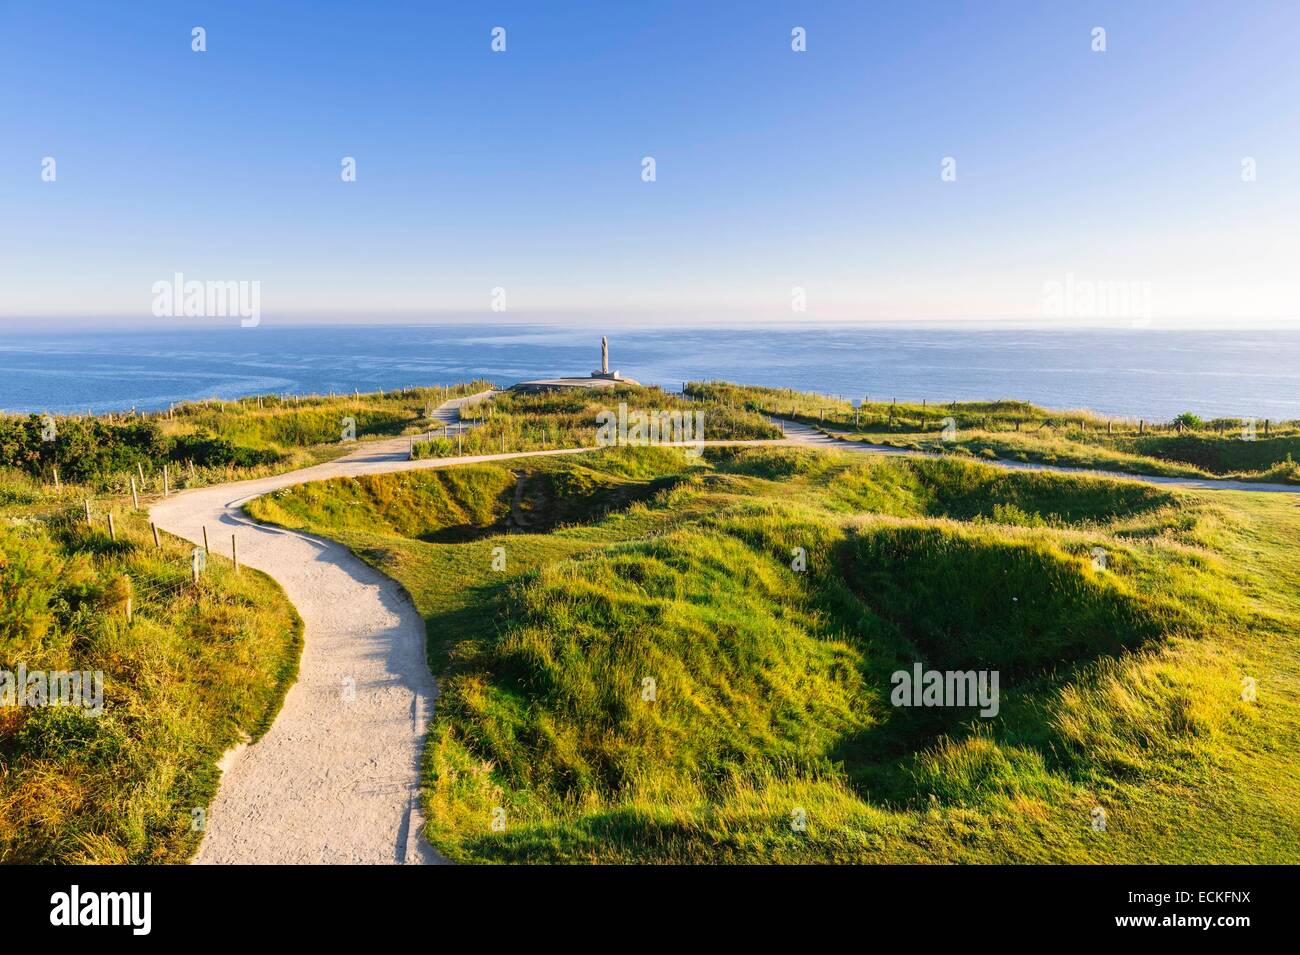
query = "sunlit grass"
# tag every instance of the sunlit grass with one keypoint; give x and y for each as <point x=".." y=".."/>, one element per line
<point x="513" y="421"/>
<point x="1016" y="430"/>
<point x="770" y="735"/>
<point x="214" y="441"/>
<point x="194" y="670"/>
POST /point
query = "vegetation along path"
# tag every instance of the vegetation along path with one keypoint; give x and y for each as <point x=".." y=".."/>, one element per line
<point x="802" y="434"/>
<point x="335" y="779"/>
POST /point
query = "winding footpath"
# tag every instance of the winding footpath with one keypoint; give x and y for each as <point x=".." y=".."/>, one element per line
<point x="335" y="779"/>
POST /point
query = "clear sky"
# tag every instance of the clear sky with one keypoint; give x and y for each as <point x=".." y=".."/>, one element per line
<point x="775" y="169"/>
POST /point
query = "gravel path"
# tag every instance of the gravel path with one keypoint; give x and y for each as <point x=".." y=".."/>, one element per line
<point x="335" y="778"/>
<point x="802" y="434"/>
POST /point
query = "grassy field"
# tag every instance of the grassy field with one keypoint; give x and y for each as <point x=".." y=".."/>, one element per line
<point x="512" y="421"/>
<point x="211" y="442"/>
<point x="1014" y="430"/>
<point x="634" y="669"/>
<point x="196" y="669"/>
<point x="651" y="657"/>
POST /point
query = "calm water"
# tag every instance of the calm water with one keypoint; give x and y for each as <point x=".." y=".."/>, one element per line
<point x="1141" y="373"/>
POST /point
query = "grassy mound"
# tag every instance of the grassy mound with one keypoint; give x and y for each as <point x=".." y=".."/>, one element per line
<point x="591" y="644"/>
<point x="430" y="505"/>
<point x="462" y="504"/>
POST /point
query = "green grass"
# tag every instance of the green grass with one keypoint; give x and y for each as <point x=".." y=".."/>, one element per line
<point x="214" y="441"/>
<point x="1120" y="687"/>
<point x="512" y="421"/>
<point x="1016" y="430"/>
<point x="196" y="670"/>
<point x="555" y="588"/>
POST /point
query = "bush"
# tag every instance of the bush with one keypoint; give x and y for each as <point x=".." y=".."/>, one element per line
<point x="80" y="449"/>
<point x="209" y="450"/>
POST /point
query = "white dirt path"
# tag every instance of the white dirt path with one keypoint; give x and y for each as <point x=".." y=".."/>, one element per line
<point x="802" y="434"/>
<point x="334" y="779"/>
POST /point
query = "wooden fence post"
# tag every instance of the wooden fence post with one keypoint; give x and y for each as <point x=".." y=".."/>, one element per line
<point x="234" y="553"/>
<point x="135" y="497"/>
<point x="154" y="527"/>
<point x="87" y="510"/>
<point x="205" y="540"/>
<point x="112" y="530"/>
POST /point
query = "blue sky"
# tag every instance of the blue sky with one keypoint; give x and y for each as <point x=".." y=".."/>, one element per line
<point x="775" y="169"/>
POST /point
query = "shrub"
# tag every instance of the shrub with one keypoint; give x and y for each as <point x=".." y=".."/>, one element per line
<point x="209" y="450"/>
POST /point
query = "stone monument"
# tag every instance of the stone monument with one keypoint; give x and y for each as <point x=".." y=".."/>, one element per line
<point x="604" y="363"/>
<point x="597" y="379"/>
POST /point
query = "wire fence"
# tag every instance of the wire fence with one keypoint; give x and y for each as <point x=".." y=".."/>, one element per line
<point x="166" y="568"/>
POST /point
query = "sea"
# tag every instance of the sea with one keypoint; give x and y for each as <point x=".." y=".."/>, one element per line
<point x="1149" y="373"/>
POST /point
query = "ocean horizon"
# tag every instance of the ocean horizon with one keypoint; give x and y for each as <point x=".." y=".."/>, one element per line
<point x="1150" y="373"/>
